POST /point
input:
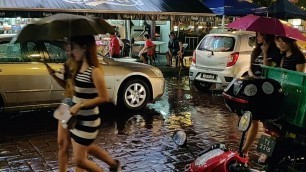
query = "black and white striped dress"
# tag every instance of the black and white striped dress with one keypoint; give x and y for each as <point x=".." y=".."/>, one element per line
<point x="88" y="119"/>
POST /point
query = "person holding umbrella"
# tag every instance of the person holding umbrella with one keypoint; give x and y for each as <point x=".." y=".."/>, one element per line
<point x="265" y="53"/>
<point x="46" y="29"/>
<point x="284" y="41"/>
<point x="90" y="91"/>
<point x="292" y="57"/>
<point x="64" y="142"/>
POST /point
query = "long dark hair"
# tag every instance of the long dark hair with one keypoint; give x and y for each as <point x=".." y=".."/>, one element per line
<point x="292" y="44"/>
<point x="257" y="50"/>
<point x="91" y="48"/>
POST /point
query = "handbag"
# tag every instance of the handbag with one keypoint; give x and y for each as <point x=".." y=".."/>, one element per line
<point x="63" y="114"/>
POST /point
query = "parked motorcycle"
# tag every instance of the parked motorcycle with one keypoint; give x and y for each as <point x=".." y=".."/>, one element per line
<point x="218" y="157"/>
<point x="279" y="102"/>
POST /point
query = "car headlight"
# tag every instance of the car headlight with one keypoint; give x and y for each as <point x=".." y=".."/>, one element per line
<point x="201" y="160"/>
<point x="157" y="72"/>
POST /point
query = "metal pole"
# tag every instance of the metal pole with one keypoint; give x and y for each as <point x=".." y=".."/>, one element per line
<point x="223" y="21"/>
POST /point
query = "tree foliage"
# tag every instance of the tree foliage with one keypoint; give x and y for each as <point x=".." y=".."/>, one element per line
<point x="302" y="3"/>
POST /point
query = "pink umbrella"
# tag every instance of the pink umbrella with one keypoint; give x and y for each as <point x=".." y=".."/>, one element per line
<point x="266" y="25"/>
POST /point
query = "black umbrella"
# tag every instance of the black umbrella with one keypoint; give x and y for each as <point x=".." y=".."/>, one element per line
<point x="59" y="26"/>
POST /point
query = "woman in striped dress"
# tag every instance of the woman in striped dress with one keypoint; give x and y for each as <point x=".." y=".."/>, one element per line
<point x="90" y="91"/>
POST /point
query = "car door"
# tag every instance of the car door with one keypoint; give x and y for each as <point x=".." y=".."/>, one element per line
<point x="24" y="80"/>
<point x="109" y="76"/>
<point x="55" y="58"/>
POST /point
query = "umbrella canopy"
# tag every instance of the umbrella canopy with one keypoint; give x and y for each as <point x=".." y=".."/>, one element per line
<point x="233" y="7"/>
<point x="266" y="25"/>
<point x="188" y="10"/>
<point x="284" y="9"/>
<point x="59" y="26"/>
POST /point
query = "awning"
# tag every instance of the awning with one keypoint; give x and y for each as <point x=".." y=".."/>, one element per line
<point x="284" y="9"/>
<point x="233" y="7"/>
<point x="110" y="9"/>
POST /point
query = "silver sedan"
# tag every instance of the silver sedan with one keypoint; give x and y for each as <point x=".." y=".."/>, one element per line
<point x="26" y="84"/>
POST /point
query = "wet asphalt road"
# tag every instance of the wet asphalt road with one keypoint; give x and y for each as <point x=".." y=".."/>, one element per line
<point x="140" y="140"/>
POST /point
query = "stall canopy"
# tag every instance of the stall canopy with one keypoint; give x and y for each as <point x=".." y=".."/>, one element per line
<point x="283" y="9"/>
<point x="233" y="7"/>
<point x="109" y="9"/>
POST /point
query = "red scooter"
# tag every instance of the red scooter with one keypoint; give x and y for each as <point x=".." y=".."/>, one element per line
<point x="218" y="158"/>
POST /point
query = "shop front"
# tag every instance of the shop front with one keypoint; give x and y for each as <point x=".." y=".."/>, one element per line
<point x="132" y="18"/>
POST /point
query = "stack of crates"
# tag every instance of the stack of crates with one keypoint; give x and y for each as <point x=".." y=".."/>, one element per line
<point x="294" y="86"/>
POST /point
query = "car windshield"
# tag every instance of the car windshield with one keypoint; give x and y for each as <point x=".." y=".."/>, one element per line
<point x="217" y="43"/>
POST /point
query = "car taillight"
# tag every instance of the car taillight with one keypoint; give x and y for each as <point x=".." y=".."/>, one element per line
<point x="232" y="59"/>
<point x="194" y="58"/>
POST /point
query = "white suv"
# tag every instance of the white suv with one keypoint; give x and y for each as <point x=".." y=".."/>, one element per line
<point x="221" y="57"/>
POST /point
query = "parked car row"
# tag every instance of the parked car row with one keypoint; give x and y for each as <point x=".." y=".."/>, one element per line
<point x="26" y="84"/>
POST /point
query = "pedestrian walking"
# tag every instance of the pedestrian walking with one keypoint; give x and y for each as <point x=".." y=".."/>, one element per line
<point x="265" y="53"/>
<point x="64" y="139"/>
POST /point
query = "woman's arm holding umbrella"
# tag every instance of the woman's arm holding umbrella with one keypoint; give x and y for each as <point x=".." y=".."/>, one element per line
<point x="52" y="72"/>
<point x="264" y="49"/>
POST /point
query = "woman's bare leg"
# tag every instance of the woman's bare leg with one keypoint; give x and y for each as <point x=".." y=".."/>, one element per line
<point x="251" y="136"/>
<point x="80" y="157"/>
<point x="63" y="141"/>
<point x="101" y="154"/>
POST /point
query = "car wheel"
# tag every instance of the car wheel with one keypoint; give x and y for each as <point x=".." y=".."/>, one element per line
<point x="202" y="86"/>
<point x="134" y="95"/>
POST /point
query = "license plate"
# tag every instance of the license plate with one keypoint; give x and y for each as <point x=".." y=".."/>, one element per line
<point x="208" y="76"/>
<point x="266" y="145"/>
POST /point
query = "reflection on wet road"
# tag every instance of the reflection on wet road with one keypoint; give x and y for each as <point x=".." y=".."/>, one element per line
<point x="141" y="140"/>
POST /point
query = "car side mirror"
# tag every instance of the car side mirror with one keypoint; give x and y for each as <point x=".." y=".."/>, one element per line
<point x="180" y="138"/>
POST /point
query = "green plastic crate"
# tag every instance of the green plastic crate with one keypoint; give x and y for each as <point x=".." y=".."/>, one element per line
<point x="294" y="87"/>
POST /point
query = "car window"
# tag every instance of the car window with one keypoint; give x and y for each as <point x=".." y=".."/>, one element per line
<point x="56" y="53"/>
<point x="252" y="41"/>
<point x="217" y="43"/>
<point x="25" y="52"/>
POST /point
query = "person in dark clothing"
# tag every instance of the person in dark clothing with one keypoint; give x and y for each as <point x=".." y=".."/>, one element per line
<point x="293" y="58"/>
<point x="175" y="47"/>
<point x="265" y="53"/>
